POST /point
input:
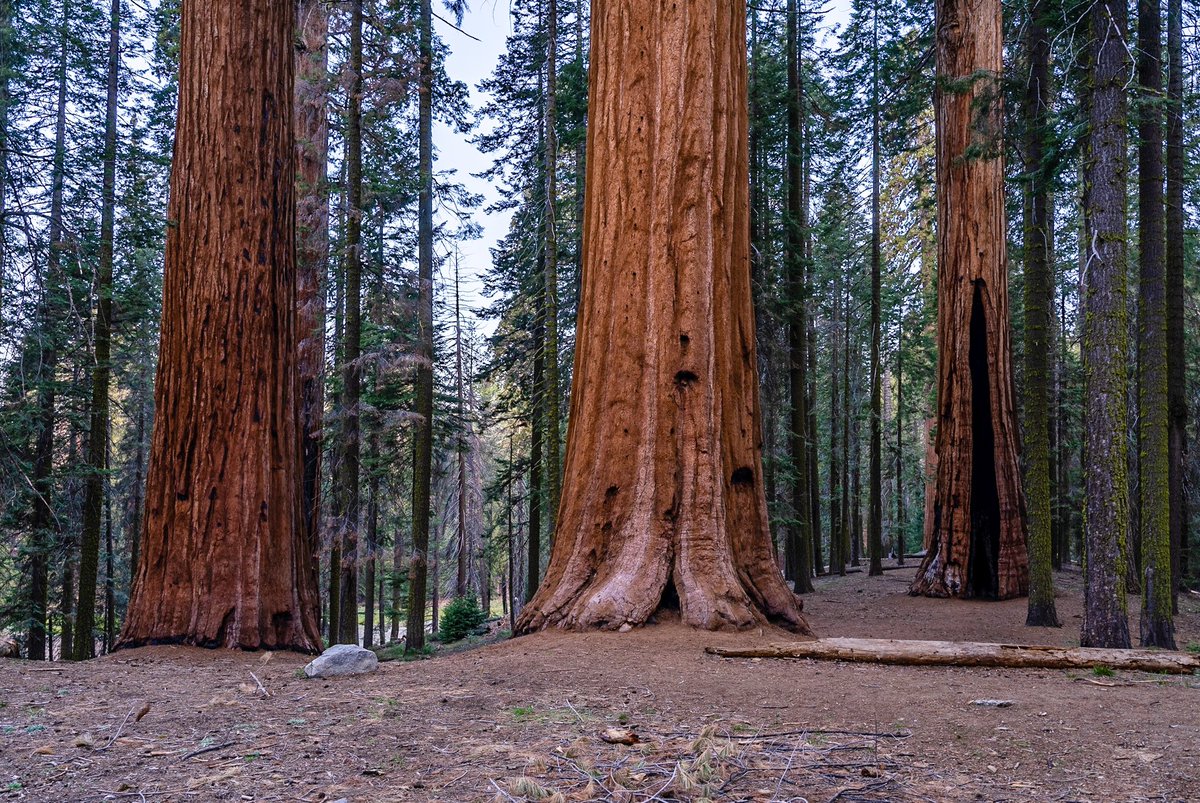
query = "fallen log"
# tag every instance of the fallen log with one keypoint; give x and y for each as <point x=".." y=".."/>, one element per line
<point x="970" y="654"/>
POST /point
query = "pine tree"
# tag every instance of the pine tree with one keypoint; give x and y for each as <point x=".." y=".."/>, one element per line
<point x="1105" y="331"/>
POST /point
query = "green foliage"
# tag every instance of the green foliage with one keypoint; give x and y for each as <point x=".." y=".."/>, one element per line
<point x="459" y="618"/>
<point x="1102" y="672"/>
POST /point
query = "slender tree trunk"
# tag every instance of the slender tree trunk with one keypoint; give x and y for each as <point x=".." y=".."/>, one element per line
<point x="1039" y="301"/>
<point x="1176" y="292"/>
<point x="372" y="549"/>
<point x="423" y="434"/>
<point x="110" y="581"/>
<point x="799" y="531"/>
<point x="1105" y="332"/>
<point x="1065" y="495"/>
<point x="1157" y="624"/>
<point x="533" y="554"/>
<point x="511" y="592"/>
<point x="136" y="502"/>
<point x="978" y="544"/>
<point x="53" y="310"/>
<point x="312" y="250"/>
<point x="398" y="565"/>
<point x="7" y="43"/>
<point x="901" y="522"/>
<point x="845" y="547"/>
<point x="663" y="499"/>
<point x="814" y="476"/>
<point x="460" y="583"/>
<point x="550" y="308"/>
<point x="346" y="486"/>
<point x="225" y="560"/>
<point x="837" y="558"/>
<point x="93" y="501"/>
<point x="875" y="469"/>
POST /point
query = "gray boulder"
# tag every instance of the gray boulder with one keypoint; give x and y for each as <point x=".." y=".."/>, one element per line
<point x="342" y="659"/>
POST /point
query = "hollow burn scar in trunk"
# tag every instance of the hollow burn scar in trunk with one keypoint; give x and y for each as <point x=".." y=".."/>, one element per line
<point x="983" y="575"/>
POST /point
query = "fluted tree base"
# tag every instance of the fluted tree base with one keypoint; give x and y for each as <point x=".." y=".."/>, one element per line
<point x="663" y="501"/>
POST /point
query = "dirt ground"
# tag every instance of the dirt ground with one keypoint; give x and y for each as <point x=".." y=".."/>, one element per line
<point x="525" y="719"/>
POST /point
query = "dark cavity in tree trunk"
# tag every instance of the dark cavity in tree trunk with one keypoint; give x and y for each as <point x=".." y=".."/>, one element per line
<point x="985" y="501"/>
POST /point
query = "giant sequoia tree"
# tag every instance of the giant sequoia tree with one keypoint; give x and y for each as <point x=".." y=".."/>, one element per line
<point x="663" y="498"/>
<point x="224" y="560"/>
<point x="977" y="530"/>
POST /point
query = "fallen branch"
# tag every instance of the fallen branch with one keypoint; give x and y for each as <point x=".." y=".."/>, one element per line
<point x="970" y="654"/>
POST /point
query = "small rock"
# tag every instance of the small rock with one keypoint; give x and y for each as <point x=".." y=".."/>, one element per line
<point x="992" y="703"/>
<point x="342" y="659"/>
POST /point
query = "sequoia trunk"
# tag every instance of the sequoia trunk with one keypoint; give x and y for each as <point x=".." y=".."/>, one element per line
<point x="224" y="559"/>
<point x="978" y="530"/>
<point x="663" y="501"/>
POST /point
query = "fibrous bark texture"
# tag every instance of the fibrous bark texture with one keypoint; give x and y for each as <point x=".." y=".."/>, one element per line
<point x="1176" y="341"/>
<point x="224" y="561"/>
<point x="663" y="499"/>
<point x="1039" y="303"/>
<point x="1106" y="332"/>
<point x="1154" y="487"/>
<point x="978" y="544"/>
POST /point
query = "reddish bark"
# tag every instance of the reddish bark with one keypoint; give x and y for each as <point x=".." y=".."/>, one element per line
<point x="978" y="544"/>
<point x="224" y="560"/>
<point x="663" y="496"/>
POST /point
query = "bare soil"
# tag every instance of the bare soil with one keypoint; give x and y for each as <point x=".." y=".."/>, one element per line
<point x="525" y="719"/>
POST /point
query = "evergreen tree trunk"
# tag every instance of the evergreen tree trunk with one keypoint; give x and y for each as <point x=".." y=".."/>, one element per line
<point x="837" y="559"/>
<point x="1105" y="332"/>
<point x="110" y="580"/>
<point x="423" y="432"/>
<point x="1176" y="289"/>
<point x="1039" y="301"/>
<point x="550" y="308"/>
<point x="875" y="451"/>
<point x="533" y="552"/>
<point x="42" y="523"/>
<point x="845" y="546"/>
<point x="814" y="476"/>
<point x="1157" y="624"/>
<point x="978" y="544"/>
<point x="901" y="522"/>
<point x="663" y="473"/>
<point x="97" y="436"/>
<point x="225" y="561"/>
<point x="346" y="484"/>
<point x="312" y="250"/>
<point x="97" y="451"/>
<point x="7" y="43"/>
<point x="372" y="549"/>
<point x="460" y="581"/>
<point x="799" y="530"/>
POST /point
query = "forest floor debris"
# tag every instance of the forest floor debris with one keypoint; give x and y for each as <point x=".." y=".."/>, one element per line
<point x="525" y="719"/>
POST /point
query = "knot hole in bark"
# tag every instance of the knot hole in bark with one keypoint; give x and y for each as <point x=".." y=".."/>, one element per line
<point x="984" y="574"/>
<point x="743" y="476"/>
<point x="685" y="378"/>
